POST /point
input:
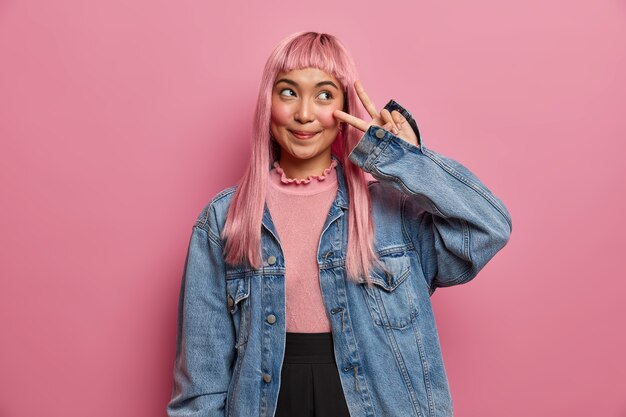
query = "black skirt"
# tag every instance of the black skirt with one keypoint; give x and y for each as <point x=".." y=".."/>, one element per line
<point x="310" y="385"/>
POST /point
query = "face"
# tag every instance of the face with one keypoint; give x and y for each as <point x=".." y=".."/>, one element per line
<point x="302" y="119"/>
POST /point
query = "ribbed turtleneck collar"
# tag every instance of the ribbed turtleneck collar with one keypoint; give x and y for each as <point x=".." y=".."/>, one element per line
<point x="313" y="184"/>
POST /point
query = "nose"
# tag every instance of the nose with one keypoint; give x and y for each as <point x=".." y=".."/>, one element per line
<point x="304" y="112"/>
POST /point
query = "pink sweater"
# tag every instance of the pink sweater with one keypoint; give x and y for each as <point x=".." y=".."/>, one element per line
<point x="299" y="208"/>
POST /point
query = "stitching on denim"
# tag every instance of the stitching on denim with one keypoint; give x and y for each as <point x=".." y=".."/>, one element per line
<point x="400" y="362"/>
<point x="202" y="222"/>
<point x="251" y="272"/>
<point x="460" y="279"/>
<point x="425" y="369"/>
<point x="467" y="182"/>
<point x="376" y="152"/>
<point x="410" y="191"/>
<point x="467" y="240"/>
<point x="405" y="230"/>
<point x="214" y="238"/>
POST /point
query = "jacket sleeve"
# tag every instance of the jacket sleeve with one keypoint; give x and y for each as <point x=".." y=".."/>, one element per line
<point x="456" y="224"/>
<point x="206" y="336"/>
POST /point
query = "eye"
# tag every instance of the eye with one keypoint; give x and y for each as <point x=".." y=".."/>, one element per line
<point x="330" y="96"/>
<point x="285" y="89"/>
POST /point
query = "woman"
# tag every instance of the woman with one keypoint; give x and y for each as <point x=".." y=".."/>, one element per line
<point x="306" y="288"/>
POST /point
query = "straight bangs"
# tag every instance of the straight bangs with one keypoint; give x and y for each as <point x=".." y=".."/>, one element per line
<point x="316" y="51"/>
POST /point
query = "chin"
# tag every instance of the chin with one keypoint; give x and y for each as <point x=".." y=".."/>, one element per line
<point x="302" y="156"/>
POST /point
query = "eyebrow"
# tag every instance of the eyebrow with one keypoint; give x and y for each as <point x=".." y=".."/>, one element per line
<point x="295" y="84"/>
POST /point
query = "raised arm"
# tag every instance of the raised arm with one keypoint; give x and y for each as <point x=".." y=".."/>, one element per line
<point x="454" y="220"/>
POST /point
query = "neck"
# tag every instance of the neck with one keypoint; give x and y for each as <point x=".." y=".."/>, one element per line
<point x="301" y="169"/>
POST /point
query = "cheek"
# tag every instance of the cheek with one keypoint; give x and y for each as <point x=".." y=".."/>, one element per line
<point x="281" y="115"/>
<point x="327" y="119"/>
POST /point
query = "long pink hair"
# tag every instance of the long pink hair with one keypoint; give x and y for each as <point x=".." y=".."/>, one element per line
<point x="242" y="230"/>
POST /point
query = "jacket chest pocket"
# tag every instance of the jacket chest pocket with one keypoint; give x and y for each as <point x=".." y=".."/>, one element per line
<point x="389" y="299"/>
<point x="237" y="301"/>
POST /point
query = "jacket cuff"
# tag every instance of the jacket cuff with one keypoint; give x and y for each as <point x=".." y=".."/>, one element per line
<point x="376" y="139"/>
<point x="364" y="152"/>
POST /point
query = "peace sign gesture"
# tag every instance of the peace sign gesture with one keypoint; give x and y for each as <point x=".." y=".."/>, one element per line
<point x="393" y="121"/>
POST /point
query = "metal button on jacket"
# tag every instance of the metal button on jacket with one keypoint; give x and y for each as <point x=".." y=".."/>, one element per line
<point x="271" y="319"/>
<point x="230" y="301"/>
<point x="271" y="260"/>
<point x="380" y="133"/>
<point x="267" y="377"/>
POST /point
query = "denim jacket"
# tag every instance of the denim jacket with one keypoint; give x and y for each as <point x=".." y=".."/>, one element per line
<point x="436" y="225"/>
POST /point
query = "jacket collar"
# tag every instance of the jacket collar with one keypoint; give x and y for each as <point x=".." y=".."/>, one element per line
<point x="342" y="199"/>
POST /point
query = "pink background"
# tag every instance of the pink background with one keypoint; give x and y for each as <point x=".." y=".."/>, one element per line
<point x="119" y="120"/>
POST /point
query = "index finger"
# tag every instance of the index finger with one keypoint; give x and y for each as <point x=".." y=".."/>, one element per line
<point x="352" y="120"/>
<point x="367" y="102"/>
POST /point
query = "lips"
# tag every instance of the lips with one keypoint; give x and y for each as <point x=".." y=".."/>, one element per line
<point x="303" y="135"/>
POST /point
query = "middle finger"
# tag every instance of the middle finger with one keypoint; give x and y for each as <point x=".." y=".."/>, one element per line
<point x="367" y="102"/>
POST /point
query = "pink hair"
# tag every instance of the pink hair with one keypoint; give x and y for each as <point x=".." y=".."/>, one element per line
<point x="242" y="230"/>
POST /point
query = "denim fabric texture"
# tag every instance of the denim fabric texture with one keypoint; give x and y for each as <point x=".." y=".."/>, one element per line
<point x="436" y="225"/>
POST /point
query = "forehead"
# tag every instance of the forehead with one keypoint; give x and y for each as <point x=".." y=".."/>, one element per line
<point x="307" y="76"/>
